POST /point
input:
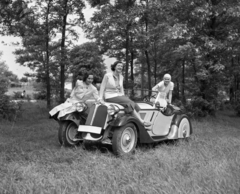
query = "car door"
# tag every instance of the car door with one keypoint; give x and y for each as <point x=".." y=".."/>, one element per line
<point x="161" y="124"/>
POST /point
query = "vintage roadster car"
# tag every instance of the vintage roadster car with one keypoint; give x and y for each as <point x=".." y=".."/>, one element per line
<point x="109" y="123"/>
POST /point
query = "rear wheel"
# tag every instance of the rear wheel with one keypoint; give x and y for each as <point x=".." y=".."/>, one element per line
<point x="184" y="128"/>
<point x="67" y="132"/>
<point x="124" y="139"/>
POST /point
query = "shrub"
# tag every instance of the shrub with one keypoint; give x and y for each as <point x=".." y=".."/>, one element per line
<point x="3" y="85"/>
<point x="41" y="95"/>
<point x="9" y="110"/>
<point x="14" y="85"/>
<point x="236" y="103"/>
<point x="200" y="107"/>
<point x="17" y="95"/>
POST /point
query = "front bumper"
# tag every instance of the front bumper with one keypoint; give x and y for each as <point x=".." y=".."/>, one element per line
<point x="89" y="129"/>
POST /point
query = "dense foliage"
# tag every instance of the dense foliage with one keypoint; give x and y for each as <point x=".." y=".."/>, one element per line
<point x="196" y="41"/>
<point x="8" y="109"/>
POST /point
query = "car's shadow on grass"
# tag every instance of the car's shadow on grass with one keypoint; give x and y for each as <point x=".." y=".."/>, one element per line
<point x="97" y="146"/>
<point x="107" y="148"/>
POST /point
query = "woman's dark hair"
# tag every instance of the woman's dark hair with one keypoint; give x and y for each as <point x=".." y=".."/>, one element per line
<point x="113" y="66"/>
<point x="85" y="76"/>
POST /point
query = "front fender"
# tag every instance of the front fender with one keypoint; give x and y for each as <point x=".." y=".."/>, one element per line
<point x="76" y="117"/>
<point x="143" y="135"/>
<point x="123" y="120"/>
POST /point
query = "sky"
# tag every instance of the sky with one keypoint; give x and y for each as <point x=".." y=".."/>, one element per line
<point x="9" y="43"/>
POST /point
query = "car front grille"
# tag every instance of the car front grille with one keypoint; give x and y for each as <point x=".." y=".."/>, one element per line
<point x="97" y="116"/>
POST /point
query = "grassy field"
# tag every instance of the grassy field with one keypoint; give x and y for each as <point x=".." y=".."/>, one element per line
<point x="32" y="161"/>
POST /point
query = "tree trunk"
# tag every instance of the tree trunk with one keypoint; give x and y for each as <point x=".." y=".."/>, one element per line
<point x="177" y="91"/>
<point x="183" y="83"/>
<point x="127" y="56"/>
<point x="132" y="76"/>
<point x="149" y="73"/>
<point x="155" y="64"/>
<point x="147" y="54"/>
<point x="63" y="53"/>
<point x="47" y="58"/>
<point x="142" y="81"/>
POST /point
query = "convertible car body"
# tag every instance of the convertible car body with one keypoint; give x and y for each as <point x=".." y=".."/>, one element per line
<point x="110" y="124"/>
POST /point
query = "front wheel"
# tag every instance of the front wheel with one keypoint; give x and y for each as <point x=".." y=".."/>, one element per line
<point x="67" y="132"/>
<point x="124" y="139"/>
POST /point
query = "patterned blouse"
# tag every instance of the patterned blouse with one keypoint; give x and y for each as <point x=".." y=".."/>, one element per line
<point x="83" y="92"/>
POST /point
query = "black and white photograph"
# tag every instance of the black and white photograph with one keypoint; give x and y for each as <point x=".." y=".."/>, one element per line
<point x="119" y="97"/>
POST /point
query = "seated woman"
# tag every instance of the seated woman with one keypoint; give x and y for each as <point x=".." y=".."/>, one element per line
<point x="112" y="91"/>
<point x="82" y="91"/>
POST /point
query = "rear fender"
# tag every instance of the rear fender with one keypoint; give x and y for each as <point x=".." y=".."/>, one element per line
<point x="76" y="117"/>
<point x="177" y="118"/>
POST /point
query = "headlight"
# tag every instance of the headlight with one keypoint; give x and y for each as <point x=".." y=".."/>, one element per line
<point x="80" y="107"/>
<point x="112" y="110"/>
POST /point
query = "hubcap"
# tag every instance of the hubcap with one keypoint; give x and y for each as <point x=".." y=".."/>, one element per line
<point x="72" y="131"/>
<point x="184" y="133"/>
<point x="128" y="139"/>
<point x="184" y="128"/>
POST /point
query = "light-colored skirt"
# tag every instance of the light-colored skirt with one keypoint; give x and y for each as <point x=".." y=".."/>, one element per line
<point x="63" y="109"/>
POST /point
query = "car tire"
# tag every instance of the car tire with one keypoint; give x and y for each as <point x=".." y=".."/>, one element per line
<point x="124" y="139"/>
<point x="184" y="128"/>
<point x="67" y="131"/>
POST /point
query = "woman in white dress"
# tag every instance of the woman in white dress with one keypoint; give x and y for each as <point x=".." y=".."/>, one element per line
<point x="83" y="91"/>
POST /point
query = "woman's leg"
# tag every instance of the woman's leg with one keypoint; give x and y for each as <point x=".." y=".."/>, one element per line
<point x="130" y="107"/>
<point x="136" y="114"/>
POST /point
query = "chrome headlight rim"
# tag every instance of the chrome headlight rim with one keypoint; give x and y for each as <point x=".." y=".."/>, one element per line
<point x="80" y="106"/>
<point x="112" y="110"/>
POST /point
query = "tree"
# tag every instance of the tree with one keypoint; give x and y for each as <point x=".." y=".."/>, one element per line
<point x="40" y="31"/>
<point x="87" y="58"/>
<point x="111" y="27"/>
<point x="66" y="8"/>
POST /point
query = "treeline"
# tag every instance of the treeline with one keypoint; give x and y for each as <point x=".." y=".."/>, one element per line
<point x="196" y="41"/>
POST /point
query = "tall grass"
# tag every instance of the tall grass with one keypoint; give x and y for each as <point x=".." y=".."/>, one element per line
<point x="32" y="160"/>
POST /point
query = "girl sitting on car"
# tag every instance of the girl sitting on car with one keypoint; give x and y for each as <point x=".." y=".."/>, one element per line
<point x="112" y="91"/>
<point x="82" y="91"/>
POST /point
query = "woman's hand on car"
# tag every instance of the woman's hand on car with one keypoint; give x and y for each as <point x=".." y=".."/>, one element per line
<point x="100" y="101"/>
